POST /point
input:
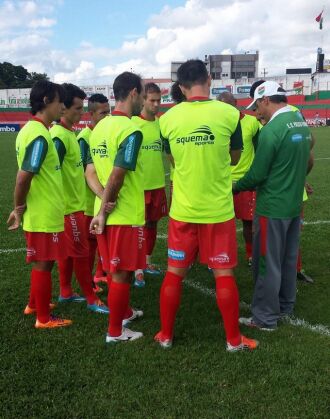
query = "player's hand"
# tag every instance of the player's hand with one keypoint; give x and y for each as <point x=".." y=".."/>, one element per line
<point x="109" y="207"/>
<point x="15" y="217"/>
<point x="309" y="189"/>
<point x="97" y="224"/>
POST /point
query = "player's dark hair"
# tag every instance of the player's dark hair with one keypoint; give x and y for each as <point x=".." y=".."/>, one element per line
<point x="254" y="86"/>
<point x="94" y="99"/>
<point x="44" y="89"/>
<point x="72" y="91"/>
<point x="125" y="83"/>
<point x="176" y="93"/>
<point x="192" y="72"/>
<point x="278" y="98"/>
<point x="151" y="88"/>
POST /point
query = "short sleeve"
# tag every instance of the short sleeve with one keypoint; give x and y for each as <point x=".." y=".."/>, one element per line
<point x="35" y="154"/>
<point x="84" y="151"/>
<point x="128" y="151"/>
<point x="236" y="139"/>
<point x="60" y="148"/>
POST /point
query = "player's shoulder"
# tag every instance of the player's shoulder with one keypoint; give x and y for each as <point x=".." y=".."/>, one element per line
<point x="85" y="132"/>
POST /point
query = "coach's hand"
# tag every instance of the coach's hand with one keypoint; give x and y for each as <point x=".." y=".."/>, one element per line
<point x="97" y="224"/>
<point x="109" y="207"/>
<point x="309" y="189"/>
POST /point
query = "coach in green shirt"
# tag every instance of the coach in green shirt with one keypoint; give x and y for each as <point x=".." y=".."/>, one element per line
<point x="278" y="172"/>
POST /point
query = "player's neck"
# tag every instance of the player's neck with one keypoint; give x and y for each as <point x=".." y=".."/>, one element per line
<point x="147" y="116"/>
<point x="68" y="124"/>
<point x="198" y="91"/>
<point x="124" y="108"/>
<point x="44" y="118"/>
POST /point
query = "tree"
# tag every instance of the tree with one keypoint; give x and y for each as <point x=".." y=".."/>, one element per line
<point x="16" y="76"/>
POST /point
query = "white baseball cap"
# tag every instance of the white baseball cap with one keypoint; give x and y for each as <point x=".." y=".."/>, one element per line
<point x="268" y="88"/>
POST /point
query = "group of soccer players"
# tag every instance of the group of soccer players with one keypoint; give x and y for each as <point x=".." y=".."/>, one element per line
<point x="105" y="190"/>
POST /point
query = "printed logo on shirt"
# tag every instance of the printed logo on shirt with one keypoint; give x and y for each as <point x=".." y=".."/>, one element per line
<point x="100" y="150"/>
<point x="296" y="138"/>
<point x="200" y="136"/>
<point x="155" y="146"/>
<point x="129" y="150"/>
<point x="55" y="237"/>
<point x="176" y="254"/>
<point x="220" y="258"/>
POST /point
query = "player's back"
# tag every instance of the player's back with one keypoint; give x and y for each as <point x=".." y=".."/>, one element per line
<point x="199" y="134"/>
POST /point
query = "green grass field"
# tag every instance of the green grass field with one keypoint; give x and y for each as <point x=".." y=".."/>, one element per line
<point x="72" y="373"/>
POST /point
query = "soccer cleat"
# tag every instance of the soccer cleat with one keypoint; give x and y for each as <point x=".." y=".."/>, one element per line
<point x="301" y="276"/>
<point x="246" y="343"/>
<point x="28" y="310"/>
<point x="248" y="321"/>
<point x="249" y="262"/>
<point x="98" y="279"/>
<point x="74" y="298"/>
<point x="126" y="336"/>
<point x="53" y="323"/>
<point x="163" y="342"/>
<point x="152" y="269"/>
<point x="136" y="314"/>
<point x="139" y="281"/>
<point x="98" y="307"/>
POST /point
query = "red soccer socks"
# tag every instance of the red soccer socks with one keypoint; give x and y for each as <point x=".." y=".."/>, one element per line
<point x="65" y="269"/>
<point x="118" y="301"/>
<point x="228" y="304"/>
<point x="41" y="289"/>
<point x="170" y="297"/>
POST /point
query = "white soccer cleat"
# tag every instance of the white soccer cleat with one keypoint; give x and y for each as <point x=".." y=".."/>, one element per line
<point x="126" y="336"/>
<point x="136" y="314"/>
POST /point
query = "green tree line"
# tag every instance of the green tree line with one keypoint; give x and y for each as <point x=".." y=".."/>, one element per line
<point x="16" y="76"/>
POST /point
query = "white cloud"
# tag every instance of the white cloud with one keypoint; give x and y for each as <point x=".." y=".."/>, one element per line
<point x="284" y="32"/>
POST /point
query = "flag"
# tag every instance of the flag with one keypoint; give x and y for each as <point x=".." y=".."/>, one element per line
<point x="319" y="19"/>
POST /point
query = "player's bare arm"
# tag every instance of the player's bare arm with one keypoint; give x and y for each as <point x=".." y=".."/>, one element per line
<point x="109" y="198"/>
<point x="93" y="180"/>
<point x="22" y="187"/>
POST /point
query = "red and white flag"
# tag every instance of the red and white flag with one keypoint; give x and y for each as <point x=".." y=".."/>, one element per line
<point x="319" y="19"/>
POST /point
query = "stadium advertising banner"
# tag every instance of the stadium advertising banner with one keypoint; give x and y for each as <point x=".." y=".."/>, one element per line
<point x="216" y="91"/>
<point x="15" y="98"/>
<point x="165" y="89"/>
<point x="9" y="128"/>
<point x="243" y="89"/>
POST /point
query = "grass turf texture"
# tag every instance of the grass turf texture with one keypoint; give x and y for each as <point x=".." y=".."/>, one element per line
<point x="72" y="373"/>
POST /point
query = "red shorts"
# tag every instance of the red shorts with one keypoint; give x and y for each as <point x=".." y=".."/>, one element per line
<point x="75" y="235"/>
<point x="215" y="243"/>
<point x="44" y="246"/>
<point x="244" y="205"/>
<point x="155" y="204"/>
<point x="88" y="220"/>
<point x="122" y="248"/>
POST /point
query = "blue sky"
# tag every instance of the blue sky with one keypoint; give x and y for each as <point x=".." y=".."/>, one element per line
<point x="105" y="23"/>
<point x="91" y="41"/>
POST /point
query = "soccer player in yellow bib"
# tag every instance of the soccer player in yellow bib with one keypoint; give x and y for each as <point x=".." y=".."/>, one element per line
<point x="153" y="173"/>
<point x="115" y="144"/>
<point x="244" y="202"/>
<point x="74" y="188"/>
<point x="98" y="108"/>
<point x="204" y="138"/>
<point x="301" y="274"/>
<point x="38" y="199"/>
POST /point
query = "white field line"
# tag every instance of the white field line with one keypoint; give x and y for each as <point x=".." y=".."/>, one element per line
<point x="322" y="158"/>
<point x="293" y="321"/>
<point x="19" y="249"/>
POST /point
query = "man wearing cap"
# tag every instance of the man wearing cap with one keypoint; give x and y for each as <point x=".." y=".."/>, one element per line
<point x="278" y="172"/>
